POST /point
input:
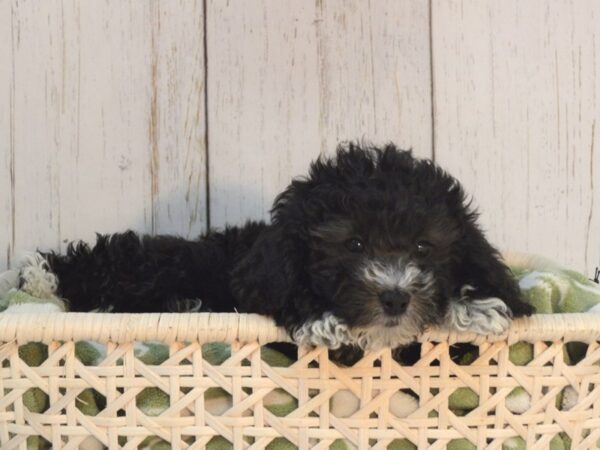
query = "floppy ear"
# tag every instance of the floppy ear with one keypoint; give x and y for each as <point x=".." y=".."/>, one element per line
<point x="262" y="281"/>
<point x="271" y="278"/>
<point x="482" y="269"/>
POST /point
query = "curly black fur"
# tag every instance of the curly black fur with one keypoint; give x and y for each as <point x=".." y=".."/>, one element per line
<point x="404" y="212"/>
<point x="124" y="272"/>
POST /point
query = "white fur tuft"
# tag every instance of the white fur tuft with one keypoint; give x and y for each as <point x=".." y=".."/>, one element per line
<point x="481" y="316"/>
<point x="36" y="278"/>
<point x="376" y="337"/>
<point x="394" y="275"/>
<point x="328" y="331"/>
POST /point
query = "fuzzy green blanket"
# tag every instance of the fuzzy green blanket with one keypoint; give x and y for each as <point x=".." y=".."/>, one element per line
<point x="552" y="289"/>
<point x="549" y="287"/>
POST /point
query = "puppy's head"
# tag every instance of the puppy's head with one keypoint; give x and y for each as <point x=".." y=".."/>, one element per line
<point x="381" y="236"/>
<point x="379" y="228"/>
<point x="378" y="240"/>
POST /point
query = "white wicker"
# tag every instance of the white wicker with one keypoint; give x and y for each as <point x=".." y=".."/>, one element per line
<point x="313" y="379"/>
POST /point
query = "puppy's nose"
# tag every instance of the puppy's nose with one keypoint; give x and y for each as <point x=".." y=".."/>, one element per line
<point x="395" y="301"/>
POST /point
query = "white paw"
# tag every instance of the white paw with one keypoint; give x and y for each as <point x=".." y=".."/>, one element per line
<point x="328" y="331"/>
<point x="36" y="278"/>
<point x="481" y="316"/>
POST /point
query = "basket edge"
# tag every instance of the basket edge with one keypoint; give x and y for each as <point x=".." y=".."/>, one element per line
<point x="245" y="328"/>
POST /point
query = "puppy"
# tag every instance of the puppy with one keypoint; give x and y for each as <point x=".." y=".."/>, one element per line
<point x="368" y="250"/>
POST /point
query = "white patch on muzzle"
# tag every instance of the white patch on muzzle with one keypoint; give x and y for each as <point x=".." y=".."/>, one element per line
<point x="392" y="276"/>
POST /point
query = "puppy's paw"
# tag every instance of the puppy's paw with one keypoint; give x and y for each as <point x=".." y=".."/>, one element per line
<point x="36" y="278"/>
<point x="519" y="308"/>
<point x="481" y="316"/>
<point x="346" y="355"/>
<point x="328" y="331"/>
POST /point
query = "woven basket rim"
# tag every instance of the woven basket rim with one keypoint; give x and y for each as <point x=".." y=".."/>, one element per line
<point x="243" y="328"/>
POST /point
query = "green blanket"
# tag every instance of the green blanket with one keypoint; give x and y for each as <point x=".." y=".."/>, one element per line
<point x="552" y="289"/>
<point x="549" y="287"/>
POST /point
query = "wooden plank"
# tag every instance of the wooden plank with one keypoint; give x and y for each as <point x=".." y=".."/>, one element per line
<point x="375" y="74"/>
<point x="105" y="164"/>
<point x="262" y="102"/>
<point x="40" y="107"/>
<point x="517" y="101"/>
<point x="288" y="80"/>
<point x="178" y="132"/>
<point x="151" y="73"/>
<point x="6" y="152"/>
<point x="108" y="119"/>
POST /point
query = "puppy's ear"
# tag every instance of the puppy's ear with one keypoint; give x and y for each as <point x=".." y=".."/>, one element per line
<point x="482" y="274"/>
<point x="272" y="278"/>
<point x="259" y="275"/>
<point x="268" y="280"/>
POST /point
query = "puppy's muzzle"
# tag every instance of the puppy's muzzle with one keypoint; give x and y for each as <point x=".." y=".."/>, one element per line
<point x="394" y="301"/>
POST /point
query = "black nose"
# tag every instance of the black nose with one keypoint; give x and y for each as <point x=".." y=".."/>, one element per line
<point x="395" y="301"/>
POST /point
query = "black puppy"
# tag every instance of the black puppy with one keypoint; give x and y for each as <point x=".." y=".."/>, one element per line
<point x="368" y="250"/>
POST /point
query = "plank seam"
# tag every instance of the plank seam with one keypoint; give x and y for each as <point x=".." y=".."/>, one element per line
<point x="206" y="119"/>
<point x="431" y="80"/>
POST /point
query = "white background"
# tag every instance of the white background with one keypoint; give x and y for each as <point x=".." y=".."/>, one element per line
<point x="165" y="116"/>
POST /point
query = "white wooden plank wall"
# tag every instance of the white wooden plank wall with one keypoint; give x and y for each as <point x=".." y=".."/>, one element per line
<point x="102" y="120"/>
<point x="287" y="80"/>
<point x="6" y="147"/>
<point x="103" y="110"/>
<point x="517" y="109"/>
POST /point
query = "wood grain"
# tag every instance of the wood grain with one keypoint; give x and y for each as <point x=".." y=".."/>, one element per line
<point x="40" y="113"/>
<point x="105" y="169"/>
<point x="374" y="72"/>
<point x="103" y="122"/>
<point x="262" y="100"/>
<point x="517" y="101"/>
<point x="6" y="135"/>
<point x="106" y="117"/>
<point x="288" y="80"/>
<point x="178" y="119"/>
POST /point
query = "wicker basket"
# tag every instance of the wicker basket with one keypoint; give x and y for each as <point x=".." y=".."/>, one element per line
<point x="312" y="380"/>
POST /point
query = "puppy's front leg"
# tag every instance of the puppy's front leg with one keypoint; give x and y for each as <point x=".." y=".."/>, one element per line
<point x="479" y="315"/>
<point x="327" y="330"/>
<point x="487" y="304"/>
<point x="331" y="332"/>
<point x="487" y="294"/>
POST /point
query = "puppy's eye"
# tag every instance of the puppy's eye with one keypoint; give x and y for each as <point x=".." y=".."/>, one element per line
<point x="355" y="245"/>
<point x="424" y="248"/>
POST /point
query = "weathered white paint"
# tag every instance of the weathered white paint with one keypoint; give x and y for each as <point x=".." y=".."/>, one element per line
<point x="517" y="101"/>
<point x="178" y="133"/>
<point x="288" y="80"/>
<point x="375" y="77"/>
<point x="6" y="156"/>
<point x="263" y="102"/>
<point x="102" y="119"/>
<point x="103" y="139"/>
<point x="102" y="110"/>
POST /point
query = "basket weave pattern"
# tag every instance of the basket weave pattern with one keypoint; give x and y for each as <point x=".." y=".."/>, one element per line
<point x="312" y="380"/>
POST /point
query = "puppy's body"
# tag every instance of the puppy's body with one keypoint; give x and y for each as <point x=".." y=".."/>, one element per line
<point x="125" y="272"/>
<point x="368" y="250"/>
